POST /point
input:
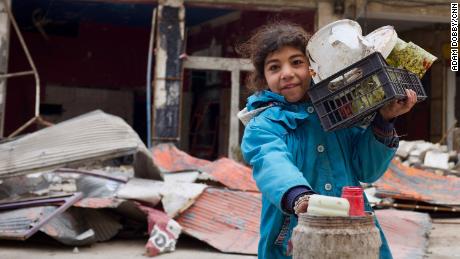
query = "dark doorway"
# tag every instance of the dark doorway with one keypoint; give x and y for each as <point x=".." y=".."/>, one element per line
<point x="415" y="124"/>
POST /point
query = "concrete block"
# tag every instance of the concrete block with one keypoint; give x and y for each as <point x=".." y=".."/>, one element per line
<point x="404" y="148"/>
<point x="436" y="159"/>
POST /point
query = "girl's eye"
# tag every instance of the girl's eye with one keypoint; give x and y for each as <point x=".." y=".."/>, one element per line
<point x="297" y="61"/>
<point x="273" y="67"/>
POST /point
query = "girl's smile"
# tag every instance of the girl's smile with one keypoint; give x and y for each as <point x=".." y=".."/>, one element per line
<point x="286" y="72"/>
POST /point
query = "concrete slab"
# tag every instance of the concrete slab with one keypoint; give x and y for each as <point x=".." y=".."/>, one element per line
<point x="443" y="239"/>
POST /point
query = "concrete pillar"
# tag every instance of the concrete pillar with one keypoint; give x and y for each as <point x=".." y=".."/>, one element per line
<point x="325" y="14"/>
<point x="451" y="93"/>
<point x="234" y="133"/>
<point x="168" y="72"/>
<point x="4" y="50"/>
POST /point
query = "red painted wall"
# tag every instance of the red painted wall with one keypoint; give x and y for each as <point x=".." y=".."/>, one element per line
<point x="111" y="57"/>
<point x="101" y="56"/>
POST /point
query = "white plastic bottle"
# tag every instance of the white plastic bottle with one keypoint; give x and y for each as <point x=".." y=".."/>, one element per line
<point x="321" y="205"/>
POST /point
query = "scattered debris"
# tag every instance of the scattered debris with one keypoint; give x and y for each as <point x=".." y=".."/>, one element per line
<point x="112" y="185"/>
<point x="20" y="224"/>
<point x="163" y="230"/>
<point x="409" y="183"/>
<point x="170" y="159"/>
<point x="429" y="156"/>
<point x="231" y="174"/>
<point x="406" y="232"/>
<point x="95" y="136"/>
<point x="227" y="220"/>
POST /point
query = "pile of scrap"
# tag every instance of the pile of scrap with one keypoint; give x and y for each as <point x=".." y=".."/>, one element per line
<point x="412" y="188"/>
<point x="226" y="215"/>
<point x="91" y="178"/>
<point x="87" y="180"/>
<point x="423" y="176"/>
<point x="429" y="156"/>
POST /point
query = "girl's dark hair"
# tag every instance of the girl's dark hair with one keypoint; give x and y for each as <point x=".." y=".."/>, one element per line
<point x="268" y="39"/>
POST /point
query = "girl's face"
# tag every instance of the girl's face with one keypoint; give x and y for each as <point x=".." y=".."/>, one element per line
<point x="286" y="72"/>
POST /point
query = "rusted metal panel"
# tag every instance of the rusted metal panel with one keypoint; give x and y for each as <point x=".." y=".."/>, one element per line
<point x="231" y="174"/>
<point x="226" y="171"/>
<point x="226" y="220"/>
<point x="78" y="227"/>
<point x="408" y="183"/>
<point x="32" y="202"/>
<point x="95" y="136"/>
<point x="169" y="158"/>
<point x="21" y="224"/>
<point x="406" y="232"/>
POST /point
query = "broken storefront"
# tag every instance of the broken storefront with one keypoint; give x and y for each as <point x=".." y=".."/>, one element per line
<point x="95" y="55"/>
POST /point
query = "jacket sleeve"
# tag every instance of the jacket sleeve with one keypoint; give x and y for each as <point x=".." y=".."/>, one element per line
<point x="370" y="157"/>
<point x="272" y="163"/>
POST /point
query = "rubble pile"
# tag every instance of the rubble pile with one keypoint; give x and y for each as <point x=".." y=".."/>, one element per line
<point x="429" y="156"/>
<point x="93" y="180"/>
<point x="90" y="179"/>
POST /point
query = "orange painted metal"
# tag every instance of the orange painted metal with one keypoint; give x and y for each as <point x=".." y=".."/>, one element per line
<point x="406" y="232"/>
<point x="169" y="158"/>
<point x="232" y="174"/>
<point x="226" y="171"/>
<point x="408" y="183"/>
<point x="227" y="220"/>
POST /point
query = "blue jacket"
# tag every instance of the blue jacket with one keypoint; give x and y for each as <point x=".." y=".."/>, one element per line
<point x="287" y="147"/>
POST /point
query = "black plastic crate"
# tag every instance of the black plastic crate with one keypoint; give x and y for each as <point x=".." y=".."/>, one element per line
<point x="352" y="95"/>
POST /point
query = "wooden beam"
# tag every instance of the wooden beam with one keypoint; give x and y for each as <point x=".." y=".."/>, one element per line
<point x="217" y="63"/>
<point x="437" y="11"/>
<point x="275" y="5"/>
<point x="4" y="50"/>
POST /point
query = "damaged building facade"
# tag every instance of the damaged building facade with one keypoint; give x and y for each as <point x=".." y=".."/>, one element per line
<point x="177" y="77"/>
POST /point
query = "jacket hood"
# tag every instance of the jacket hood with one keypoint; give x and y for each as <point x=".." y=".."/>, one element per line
<point x="283" y="111"/>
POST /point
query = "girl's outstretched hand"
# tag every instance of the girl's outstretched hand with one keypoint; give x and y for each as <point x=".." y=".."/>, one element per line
<point x="301" y="205"/>
<point x="399" y="107"/>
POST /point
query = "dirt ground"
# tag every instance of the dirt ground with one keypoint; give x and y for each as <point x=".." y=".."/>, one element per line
<point x="444" y="243"/>
<point x="187" y="248"/>
<point x="444" y="239"/>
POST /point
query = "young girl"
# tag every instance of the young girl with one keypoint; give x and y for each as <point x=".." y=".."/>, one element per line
<point x="291" y="155"/>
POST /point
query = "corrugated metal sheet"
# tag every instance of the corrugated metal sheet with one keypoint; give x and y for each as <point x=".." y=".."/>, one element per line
<point x="226" y="171"/>
<point x="104" y="224"/>
<point x="20" y="224"/>
<point x="231" y="174"/>
<point x="227" y="220"/>
<point x="408" y="183"/>
<point x="406" y="232"/>
<point x="99" y="203"/>
<point x="169" y="158"/>
<point x="92" y="136"/>
<point x="83" y="226"/>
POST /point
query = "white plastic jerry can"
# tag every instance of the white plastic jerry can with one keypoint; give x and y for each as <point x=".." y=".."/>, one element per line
<point x="321" y="205"/>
